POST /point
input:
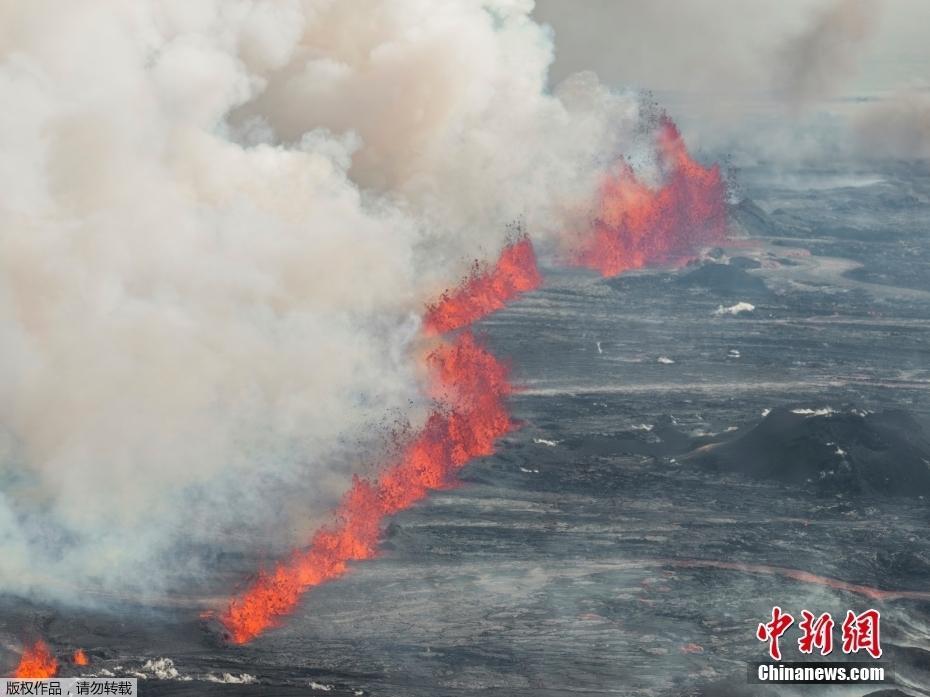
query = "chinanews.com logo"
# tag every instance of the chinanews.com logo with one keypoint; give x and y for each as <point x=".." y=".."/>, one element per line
<point x="859" y="635"/>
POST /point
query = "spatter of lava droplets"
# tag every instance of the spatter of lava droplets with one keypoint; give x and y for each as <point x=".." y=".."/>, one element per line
<point x="485" y="290"/>
<point x="37" y="661"/>
<point x="635" y="225"/>
<point x="470" y="387"/>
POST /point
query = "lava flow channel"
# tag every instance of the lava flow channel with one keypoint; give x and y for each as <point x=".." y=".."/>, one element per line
<point x="37" y="661"/>
<point x="471" y="388"/>
<point x="636" y="225"/>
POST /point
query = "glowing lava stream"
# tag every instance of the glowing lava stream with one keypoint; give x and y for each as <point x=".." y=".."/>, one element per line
<point x="635" y="226"/>
<point x="470" y="387"/>
<point x="37" y="661"/>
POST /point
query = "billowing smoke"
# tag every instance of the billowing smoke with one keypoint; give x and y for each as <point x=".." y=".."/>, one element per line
<point x="221" y="222"/>
<point x="817" y="63"/>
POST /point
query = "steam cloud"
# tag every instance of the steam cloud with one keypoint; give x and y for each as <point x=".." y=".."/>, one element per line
<point x="220" y="224"/>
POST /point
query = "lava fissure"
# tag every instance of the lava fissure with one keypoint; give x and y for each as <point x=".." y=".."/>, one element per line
<point x="636" y="226"/>
<point x="471" y="416"/>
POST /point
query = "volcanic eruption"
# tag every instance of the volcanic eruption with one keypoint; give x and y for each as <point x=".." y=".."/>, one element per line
<point x="250" y="256"/>
<point x="469" y="387"/>
<point x="636" y="225"/>
<point x="217" y="326"/>
<point x="37" y="661"/>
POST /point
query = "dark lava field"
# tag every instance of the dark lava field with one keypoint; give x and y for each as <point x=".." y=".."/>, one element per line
<point x="696" y="445"/>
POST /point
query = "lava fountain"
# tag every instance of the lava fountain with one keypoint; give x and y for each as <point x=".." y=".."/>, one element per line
<point x="470" y="389"/>
<point x="485" y="290"/>
<point x="37" y="661"/>
<point x="79" y="658"/>
<point x="636" y="225"/>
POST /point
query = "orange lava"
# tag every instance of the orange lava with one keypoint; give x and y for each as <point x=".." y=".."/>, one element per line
<point x="37" y="661"/>
<point x="471" y="388"/>
<point x="636" y="225"/>
<point x="79" y="658"/>
<point x="486" y="290"/>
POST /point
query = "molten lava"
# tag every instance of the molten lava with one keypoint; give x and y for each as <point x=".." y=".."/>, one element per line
<point x="637" y="225"/>
<point x="37" y="661"/>
<point x="79" y="658"/>
<point x="471" y="388"/>
<point x="486" y="290"/>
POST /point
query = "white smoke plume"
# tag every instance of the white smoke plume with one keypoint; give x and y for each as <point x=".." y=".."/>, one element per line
<point x="220" y="223"/>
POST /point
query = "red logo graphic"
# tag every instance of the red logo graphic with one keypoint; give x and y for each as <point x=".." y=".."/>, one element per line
<point x="771" y="631"/>
<point x="860" y="632"/>
<point x="817" y="633"/>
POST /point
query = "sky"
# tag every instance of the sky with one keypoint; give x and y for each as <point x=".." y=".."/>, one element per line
<point x="718" y="64"/>
<point x="726" y="45"/>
